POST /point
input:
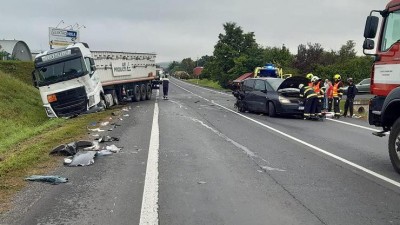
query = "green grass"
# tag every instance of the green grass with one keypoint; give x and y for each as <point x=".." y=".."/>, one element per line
<point x="18" y="69"/>
<point x="206" y="83"/>
<point x="27" y="135"/>
<point x="21" y="112"/>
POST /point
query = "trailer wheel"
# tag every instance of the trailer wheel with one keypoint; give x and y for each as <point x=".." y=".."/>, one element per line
<point x="149" y="91"/>
<point x="394" y="145"/>
<point x="143" y="92"/>
<point x="136" y="92"/>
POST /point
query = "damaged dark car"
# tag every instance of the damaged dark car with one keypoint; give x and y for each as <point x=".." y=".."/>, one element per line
<point x="272" y="96"/>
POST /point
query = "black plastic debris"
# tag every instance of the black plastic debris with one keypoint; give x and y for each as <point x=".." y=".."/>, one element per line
<point x="103" y="139"/>
<point x="83" y="144"/>
<point x="47" y="179"/>
<point x="83" y="158"/>
<point x="65" y="149"/>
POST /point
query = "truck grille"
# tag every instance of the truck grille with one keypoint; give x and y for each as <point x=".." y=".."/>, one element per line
<point x="70" y="102"/>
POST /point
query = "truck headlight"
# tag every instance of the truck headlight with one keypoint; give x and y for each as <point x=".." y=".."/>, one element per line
<point x="49" y="112"/>
<point x="284" y="100"/>
<point x="91" y="100"/>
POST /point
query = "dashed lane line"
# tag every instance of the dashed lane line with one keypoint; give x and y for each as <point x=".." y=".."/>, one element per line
<point x="368" y="171"/>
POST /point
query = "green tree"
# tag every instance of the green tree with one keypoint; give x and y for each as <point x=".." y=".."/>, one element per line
<point x="234" y="46"/>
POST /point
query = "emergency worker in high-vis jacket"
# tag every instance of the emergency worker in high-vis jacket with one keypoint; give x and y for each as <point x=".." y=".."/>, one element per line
<point x="310" y="101"/>
<point x="317" y="86"/>
<point x="337" y="94"/>
<point x="309" y="78"/>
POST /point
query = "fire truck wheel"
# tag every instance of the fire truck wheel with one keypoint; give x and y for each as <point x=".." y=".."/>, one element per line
<point x="148" y="92"/>
<point x="271" y="109"/>
<point x="142" y="92"/>
<point x="136" y="92"/>
<point x="394" y="145"/>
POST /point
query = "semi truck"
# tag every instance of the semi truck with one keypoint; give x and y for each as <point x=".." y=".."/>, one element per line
<point x="73" y="80"/>
<point x="384" y="108"/>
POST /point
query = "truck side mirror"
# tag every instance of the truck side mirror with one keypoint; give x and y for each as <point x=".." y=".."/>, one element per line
<point x="92" y="64"/>
<point x="371" y="26"/>
<point x="368" y="44"/>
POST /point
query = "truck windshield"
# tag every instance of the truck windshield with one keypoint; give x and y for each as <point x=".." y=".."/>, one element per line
<point x="61" y="71"/>
<point x="391" y="32"/>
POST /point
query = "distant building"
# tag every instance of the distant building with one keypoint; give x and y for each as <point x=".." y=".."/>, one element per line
<point x="197" y="71"/>
<point x="14" y="49"/>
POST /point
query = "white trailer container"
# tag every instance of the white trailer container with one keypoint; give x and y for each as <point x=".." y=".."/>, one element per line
<point x="73" y="80"/>
<point x="126" y="75"/>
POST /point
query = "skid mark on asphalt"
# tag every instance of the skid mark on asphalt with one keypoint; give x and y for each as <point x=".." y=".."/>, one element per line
<point x="256" y="158"/>
<point x="325" y="152"/>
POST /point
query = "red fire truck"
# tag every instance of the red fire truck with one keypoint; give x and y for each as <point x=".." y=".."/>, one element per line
<point x="384" y="108"/>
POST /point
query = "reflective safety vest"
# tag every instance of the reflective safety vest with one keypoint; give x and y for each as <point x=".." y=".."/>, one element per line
<point x="318" y="90"/>
<point x="336" y="89"/>
<point x="307" y="92"/>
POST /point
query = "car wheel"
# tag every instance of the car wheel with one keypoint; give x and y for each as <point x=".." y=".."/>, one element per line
<point x="394" y="145"/>
<point x="240" y="106"/>
<point x="271" y="109"/>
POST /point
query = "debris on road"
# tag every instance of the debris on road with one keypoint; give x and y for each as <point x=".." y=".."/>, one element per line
<point x="126" y="115"/>
<point x="197" y="101"/>
<point x="96" y="130"/>
<point x="201" y="182"/>
<point x="47" y="179"/>
<point x="113" y="148"/>
<point x="83" y="158"/>
<point x="104" y="152"/>
<point x="107" y="139"/>
<point x="104" y="123"/>
<point x="65" y="149"/>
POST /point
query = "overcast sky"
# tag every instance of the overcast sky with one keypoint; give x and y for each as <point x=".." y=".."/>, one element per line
<point x="177" y="29"/>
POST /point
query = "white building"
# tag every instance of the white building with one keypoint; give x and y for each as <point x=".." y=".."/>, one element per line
<point x="16" y="50"/>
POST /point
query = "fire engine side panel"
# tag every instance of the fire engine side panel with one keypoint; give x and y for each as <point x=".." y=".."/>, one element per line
<point x="117" y="68"/>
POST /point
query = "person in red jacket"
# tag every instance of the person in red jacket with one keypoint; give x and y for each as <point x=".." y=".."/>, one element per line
<point x="329" y="96"/>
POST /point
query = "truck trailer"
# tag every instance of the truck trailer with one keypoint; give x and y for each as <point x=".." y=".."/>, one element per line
<point x="384" y="108"/>
<point x="73" y="80"/>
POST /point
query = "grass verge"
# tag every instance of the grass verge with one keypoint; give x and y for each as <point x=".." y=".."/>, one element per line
<point x="31" y="156"/>
<point x="206" y="83"/>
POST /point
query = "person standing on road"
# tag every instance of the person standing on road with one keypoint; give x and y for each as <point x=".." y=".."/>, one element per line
<point x="326" y="86"/>
<point x="351" y="94"/>
<point x="320" y="95"/>
<point x="310" y="101"/>
<point x="337" y="94"/>
<point x="165" y="84"/>
<point x="329" y="94"/>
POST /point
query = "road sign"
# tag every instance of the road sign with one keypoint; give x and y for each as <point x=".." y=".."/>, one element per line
<point x="62" y="37"/>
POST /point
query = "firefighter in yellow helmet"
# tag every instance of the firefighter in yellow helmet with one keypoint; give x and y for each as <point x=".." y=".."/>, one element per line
<point x="310" y="101"/>
<point x="309" y="77"/>
<point x="317" y="86"/>
<point x="337" y="94"/>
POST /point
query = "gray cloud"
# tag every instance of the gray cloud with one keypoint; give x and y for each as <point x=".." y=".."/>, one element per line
<point x="177" y="29"/>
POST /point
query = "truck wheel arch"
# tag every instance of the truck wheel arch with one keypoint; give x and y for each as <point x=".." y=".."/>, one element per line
<point x="393" y="107"/>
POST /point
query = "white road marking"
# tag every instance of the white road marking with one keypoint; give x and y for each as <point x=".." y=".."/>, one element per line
<point x="368" y="171"/>
<point x="351" y="124"/>
<point x="149" y="211"/>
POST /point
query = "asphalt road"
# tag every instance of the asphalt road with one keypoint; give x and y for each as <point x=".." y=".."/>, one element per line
<point x="201" y="162"/>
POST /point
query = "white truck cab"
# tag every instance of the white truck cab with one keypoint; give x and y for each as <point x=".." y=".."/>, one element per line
<point x="67" y="80"/>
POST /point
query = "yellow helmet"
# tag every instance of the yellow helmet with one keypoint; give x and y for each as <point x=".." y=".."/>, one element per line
<point x="337" y="77"/>
<point x="309" y="76"/>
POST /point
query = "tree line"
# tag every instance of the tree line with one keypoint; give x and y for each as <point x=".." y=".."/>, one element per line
<point x="237" y="52"/>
